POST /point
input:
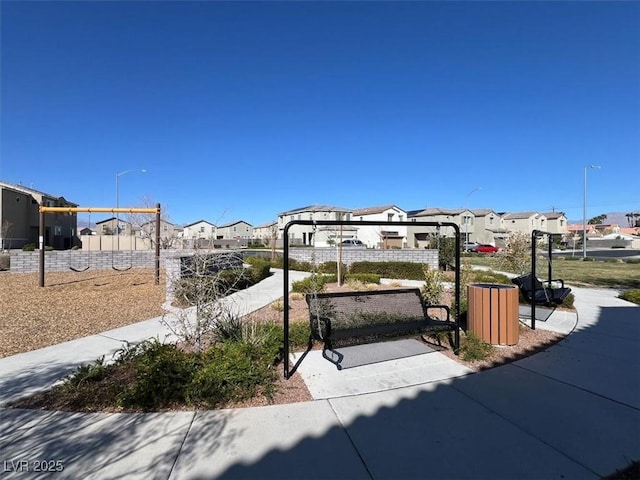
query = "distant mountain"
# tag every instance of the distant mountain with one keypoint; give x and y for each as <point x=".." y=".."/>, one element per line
<point x="618" y="218"/>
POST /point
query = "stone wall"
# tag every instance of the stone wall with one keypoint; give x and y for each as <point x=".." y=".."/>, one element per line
<point x="55" y="261"/>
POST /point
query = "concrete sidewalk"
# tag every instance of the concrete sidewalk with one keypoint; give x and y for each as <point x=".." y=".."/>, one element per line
<point x="572" y="411"/>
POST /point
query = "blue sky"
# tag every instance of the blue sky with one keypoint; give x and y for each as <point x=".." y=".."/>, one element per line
<point x="243" y="110"/>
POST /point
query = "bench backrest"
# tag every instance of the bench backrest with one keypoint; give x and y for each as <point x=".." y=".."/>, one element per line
<point x="357" y="308"/>
<point x="524" y="283"/>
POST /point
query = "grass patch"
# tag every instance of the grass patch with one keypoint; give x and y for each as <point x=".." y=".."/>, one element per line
<point x="632" y="296"/>
<point x="598" y="273"/>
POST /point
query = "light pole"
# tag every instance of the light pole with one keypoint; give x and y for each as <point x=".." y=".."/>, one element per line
<point x="466" y="219"/>
<point x="118" y="175"/>
<point x="584" y="211"/>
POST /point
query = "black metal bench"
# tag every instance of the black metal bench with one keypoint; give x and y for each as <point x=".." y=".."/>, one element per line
<point x="350" y="318"/>
<point x="541" y="293"/>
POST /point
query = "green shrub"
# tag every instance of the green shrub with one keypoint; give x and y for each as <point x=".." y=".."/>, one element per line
<point x="568" y="301"/>
<point x="473" y="348"/>
<point x="162" y="374"/>
<point x="299" y="333"/>
<point x="5" y="262"/>
<point x="260" y="269"/>
<point x="307" y="285"/>
<point x="232" y="371"/>
<point x="632" y="296"/>
<point x="29" y="247"/>
<point x="433" y="287"/>
<point x="401" y="270"/>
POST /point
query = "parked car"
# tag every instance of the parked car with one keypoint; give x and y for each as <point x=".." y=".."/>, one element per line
<point x="352" y="242"/>
<point x="470" y="246"/>
<point x="484" y="248"/>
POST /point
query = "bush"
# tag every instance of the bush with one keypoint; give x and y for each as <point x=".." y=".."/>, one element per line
<point x="5" y="262"/>
<point x="402" y="270"/>
<point x="307" y="285"/>
<point x="632" y="296"/>
<point x="29" y="247"/>
<point x="233" y="371"/>
<point x="433" y="287"/>
<point x="162" y="374"/>
<point x="489" y="276"/>
<point x="473" y="348"/>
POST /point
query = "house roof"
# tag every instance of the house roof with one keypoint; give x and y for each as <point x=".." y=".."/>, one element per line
<point x="439" y="211"/>
<point x="32" y="191"/>
<point x="266" y="225"/>
<point x="234" y="223"/>
<point x="199" y="221"/>
<point x="315" y="208"/>
<point x="374" y="210"/>
<point x="519" y="215"/>
<point x="553" y="215"/>
<point x="482" y="212"/>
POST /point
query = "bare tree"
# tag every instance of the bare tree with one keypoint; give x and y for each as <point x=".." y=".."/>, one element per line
<point x="206" y="281"/>
<point x="5" y="230"/>
<point x="144" y="225"/>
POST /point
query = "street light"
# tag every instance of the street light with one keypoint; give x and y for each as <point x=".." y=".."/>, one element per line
<point x="466" y="219"/>
<point x="584" y="211"/>
<point x="118" y="175"/>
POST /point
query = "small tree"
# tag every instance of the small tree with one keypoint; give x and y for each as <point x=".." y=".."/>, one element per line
<point x="433" y="287"/>
<point x="206" y="281"/>
<point x="516" y="254"/>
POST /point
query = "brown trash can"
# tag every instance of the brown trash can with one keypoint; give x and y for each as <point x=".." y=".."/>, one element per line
<point x="492" y="313"/>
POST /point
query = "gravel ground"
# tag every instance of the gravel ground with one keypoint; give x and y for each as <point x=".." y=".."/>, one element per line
<point x="72" y="305"/>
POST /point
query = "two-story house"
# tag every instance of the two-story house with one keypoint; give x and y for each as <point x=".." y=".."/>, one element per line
<point x="20" y="218"/>
<point x="556" y="222"/>
<point x="200" y="229"/>
<point x="523" y="222"/>
<point x="420" y="237"/>
<point x="115" y="226"/>
<point x="320" y="236"/>
<point x="266" y="233"/>
<point x="382" y="236"/>
<point x="238" y="230"/>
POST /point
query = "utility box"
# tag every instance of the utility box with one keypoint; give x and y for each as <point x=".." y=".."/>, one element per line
<point x="492" y="312"/>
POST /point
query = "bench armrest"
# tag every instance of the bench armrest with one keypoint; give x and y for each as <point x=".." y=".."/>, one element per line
<point x="549" y="282"/>
<point x="439" y="307"/>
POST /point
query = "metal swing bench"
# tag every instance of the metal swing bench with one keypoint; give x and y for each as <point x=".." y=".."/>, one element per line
<point x="539" y="292"/>
<point x="352" y="318"/>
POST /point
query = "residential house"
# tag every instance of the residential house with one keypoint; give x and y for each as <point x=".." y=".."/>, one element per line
<point x="524" y="222"/>
<point x="487" y="227"/>
<point x="20" y="218"/>
<point x="556" y="222"/>
<point x="199" y="230"/>
<point x="382" y="236"/>
<point x="319" y="236"/>
<point x="420" y="237"/>
<point x="238" y="230"/>
<point x="266" y="233"/>
<point x="115" y="226"/>
<point x="169" y="232"/>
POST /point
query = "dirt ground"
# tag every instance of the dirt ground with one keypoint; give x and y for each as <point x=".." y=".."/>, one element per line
<point x="73" y="305"/>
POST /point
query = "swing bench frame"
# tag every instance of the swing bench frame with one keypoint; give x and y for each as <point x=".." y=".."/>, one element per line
<point x="455" y="311"/>
<point x="538" y="292"/>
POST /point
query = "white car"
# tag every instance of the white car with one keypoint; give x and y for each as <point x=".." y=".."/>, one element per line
<point x="352" y="242"/>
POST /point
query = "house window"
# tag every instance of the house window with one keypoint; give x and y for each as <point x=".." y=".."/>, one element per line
<point x="389" y="217"/>
<point x="490" y="221"/>
<point x="234" y="229"/>
<point x="201" y="229"/>
<point x="165" y="228"/>
<point x="361" y="218"/>
<point x="400" y="218"/>
<point x="561" y="223"/>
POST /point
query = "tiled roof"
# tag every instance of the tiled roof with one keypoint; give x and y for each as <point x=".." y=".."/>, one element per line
<point x="199" y="221"/>
<point x="519" y="215"/>
<point x="30" y="191"/>
<point x="234" y="223"/>
<point x="374" y="210"/>
<point x="438" y="211"/>
<point x="316" y="208"/>
<point x="553" y="215"/>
